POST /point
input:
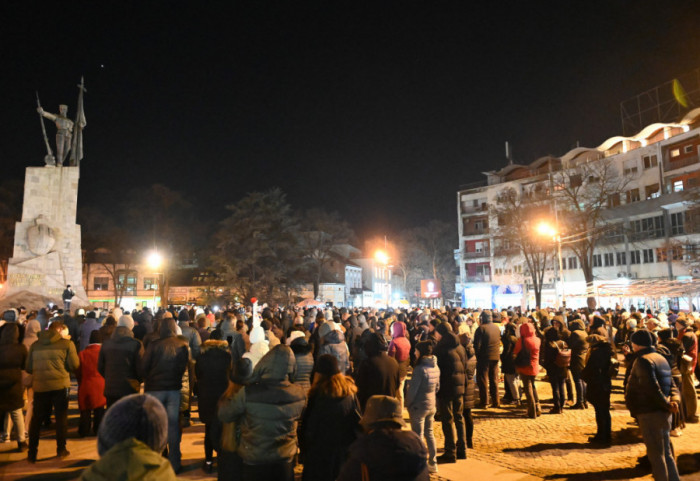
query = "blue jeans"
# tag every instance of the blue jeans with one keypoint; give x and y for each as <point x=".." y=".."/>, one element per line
<point x="557" y="383"/>
<point x="656" y="428"/>
<point x="422" y="424"/>
<point x="171" y="403"/>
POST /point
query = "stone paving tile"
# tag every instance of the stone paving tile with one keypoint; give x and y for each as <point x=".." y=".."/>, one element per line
<point x="554" y="446"/>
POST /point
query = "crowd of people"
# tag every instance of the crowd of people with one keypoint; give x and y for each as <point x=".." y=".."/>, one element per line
<point x="326" y="388"/>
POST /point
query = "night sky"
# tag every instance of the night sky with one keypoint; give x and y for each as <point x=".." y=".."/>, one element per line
<point x="378" y="110"/>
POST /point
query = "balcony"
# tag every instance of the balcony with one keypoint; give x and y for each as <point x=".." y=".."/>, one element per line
<point x="475" y="255"/>
<point x="474" y="231"/>
<point x="479" y="278"/>
<point x="670" y="165"/>
<point x="468" y="208"/>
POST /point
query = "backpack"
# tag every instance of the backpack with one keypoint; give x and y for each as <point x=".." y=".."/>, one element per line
<point x="563" y="358"/>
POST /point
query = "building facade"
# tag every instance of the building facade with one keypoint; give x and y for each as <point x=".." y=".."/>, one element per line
<point x="650" y="221"/>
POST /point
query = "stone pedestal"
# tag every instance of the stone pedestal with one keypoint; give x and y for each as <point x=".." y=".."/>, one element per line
<point x="47" y="254"/>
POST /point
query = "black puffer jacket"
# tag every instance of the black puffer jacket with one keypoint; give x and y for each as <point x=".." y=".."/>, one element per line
<point x="268" y="410"/>
<point x="596" y="373"/>
<point x="650" y="386"/>
<point x="487" y="339"/>
<point x="119" y="363"/>
<point x="388" y="455"/>
<point x="452" y="361"/>
<point x="379" y="373"/>
<point x="13" y="356"/>
<point x="212" y="369"/>
<point x="507" y="359"/>
<point x="165" y="360"/>
<point x="579" y="346"/>
<point x="470" y="386"/>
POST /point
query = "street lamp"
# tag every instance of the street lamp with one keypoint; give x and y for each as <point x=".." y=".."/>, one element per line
<point x="546" y="229"/>
<point x="382" y="257"/>
<point x="155" y="263"/>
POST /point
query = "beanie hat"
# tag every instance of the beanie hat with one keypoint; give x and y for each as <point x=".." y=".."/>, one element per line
<point x="294" y="335"/>
<point x="642" y="338"/>
<point x="242" y="370"/>
<point x="139" y="416"/>
<point x="184" y="316"/>
<point x="96" y="337"/>
<point x="425" y="348"/>
<point x="382" y="409"/>
<point x="127" y="321"/>
<point x="91" y="315"/>
<point x="327" y="365"/>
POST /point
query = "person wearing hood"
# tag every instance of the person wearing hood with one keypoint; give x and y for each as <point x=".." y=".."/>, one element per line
<point x="189" y="332"/>
<point x="651" y="398"/>
<point x="452" y="361"/>
<point x="510" y="375"/>
<point x="400" y="349"/>
<point x="13" y="356"/>
<point x="132" y="435"/>
<point x="385" y="452"/>
<point x="31" y="335"/>
<point x="51" y="359"/>
<point x="333" y="342"/>
<point x="330" y="422"/>
<point x="119" y="362"/>
<point x="421" y="401"/>
<point x="91" y="387"/>
<point x="556" y="371"/>
<point x="379" y="373"/>
<point x="212" y="371"/>
<point x="107" y="329"/>
<point x="596" y="374"/>
<point x="259" y="345"/>
<point x="303" y="358"/>
<point x="268" y="410"/>
<point x="163" y="366"/>
<point x="579" y="351"/>
<point x="528" y="372"/>
<point x="487" y="345"/>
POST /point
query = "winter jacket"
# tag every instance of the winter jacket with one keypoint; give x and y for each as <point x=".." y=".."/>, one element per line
<point x="649" y="387"/>
<point x="13" y="357"/>
<point x="192" y="336"/>
<point x="690" y="345"/>
<point x="334" y="345"/>
<point x="165" y="360"/>
<point x="551" y="348"/>
<point x="470" y="372"/>
<point x="487" y="341"/>
<point x="400" y="347"/>
<point x="130" y="460"/>
<point x="387" y="455"/>
<point x="508" y="339"/>
<point x="378" y="374"/>
<point x="579" y="346"/>
<point x="268" y="410"/>
<point x="304" y="361"/>
<point x="328" y="427"/>
<point x="51" y="359"/>
<point x="259" y="345"/>
<point x="532" y="343"/>
<point x="213" y="369"/>
<point x="119" y="363"/>
<point x="596" y="372"/>
<point x="237" y="344"/>
<point x="423" y="386"/>
<point x="452" y="361"/>
<point x="91" y="384"/>
<point x="86" y="329"/>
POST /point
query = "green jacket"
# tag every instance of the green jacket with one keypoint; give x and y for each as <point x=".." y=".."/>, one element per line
<point x="130" y="460"/>
<point x="51" y="359"/>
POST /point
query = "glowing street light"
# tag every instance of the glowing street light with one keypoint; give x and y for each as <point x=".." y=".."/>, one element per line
<point x="382" y="257"/>
<point x="155" y="262"/>
<point x="546" y="229"/>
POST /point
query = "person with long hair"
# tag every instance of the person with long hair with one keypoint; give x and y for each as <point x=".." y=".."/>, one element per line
<point x="330" y="422"/>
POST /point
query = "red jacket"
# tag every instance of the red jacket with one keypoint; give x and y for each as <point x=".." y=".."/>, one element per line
<point x="399" y="347"/>
<point x="532" y="342"/>
<point x="91" y="384"/>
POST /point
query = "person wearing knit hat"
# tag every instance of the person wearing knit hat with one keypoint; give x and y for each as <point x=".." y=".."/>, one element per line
<point x="127" y="321"/>
<point x="651" y="397"/>
<point x="386" y="451"/>
<point x="131" y="437"/>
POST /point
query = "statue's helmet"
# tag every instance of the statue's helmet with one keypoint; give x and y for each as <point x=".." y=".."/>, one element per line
<point x="63" y="108"/>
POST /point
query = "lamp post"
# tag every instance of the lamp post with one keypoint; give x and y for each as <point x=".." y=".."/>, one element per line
<point x="547" y="230"/>
<point x="382" y="258"/>
<point x="155" y="263"/>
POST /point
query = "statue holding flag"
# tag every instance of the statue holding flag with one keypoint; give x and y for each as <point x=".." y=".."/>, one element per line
<point x="69" y="134"/>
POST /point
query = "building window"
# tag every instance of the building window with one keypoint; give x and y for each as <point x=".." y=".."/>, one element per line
<point x="575" y="180"/>
<point x="101" y="283"/>
<point x="677" y="227"/>
<point x="127" y="281"/>
<point x="635" y="257"/>
<point x="149" y="283"/>
<point x="650" y="161"/>
<point x="652" y="191"/>
<point x="675" y="153"/>
<point x="632" y="195"/>
<point x="630" y="167"/>
<point x="648" y="256"/>
<point x="614" y="200"/>
<point x="572" y="263"/>
<point x="678" y="186"/>
<point x="621" y="258"/>
<point x="688" y="149"/>
<point x="597" y="260"/>
<point x="648" y="228"/>
<point x="608" y="259"/>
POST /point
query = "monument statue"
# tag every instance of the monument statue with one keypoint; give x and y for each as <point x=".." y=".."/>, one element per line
<point x="66" y="139"/>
